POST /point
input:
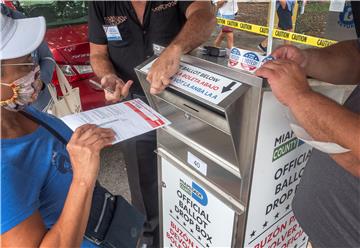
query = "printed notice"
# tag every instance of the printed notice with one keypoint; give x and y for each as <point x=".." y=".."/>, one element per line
<point x="279" y="165"/>
<point x="207" y="85"/>
<point x="192" y="216"/>
<point x="127" y="119"/>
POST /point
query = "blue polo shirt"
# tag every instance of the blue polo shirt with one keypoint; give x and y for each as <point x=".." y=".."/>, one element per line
<point x="35" y="174"/>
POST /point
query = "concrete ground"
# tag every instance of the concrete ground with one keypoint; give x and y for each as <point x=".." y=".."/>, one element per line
<point x="113" y="174"/>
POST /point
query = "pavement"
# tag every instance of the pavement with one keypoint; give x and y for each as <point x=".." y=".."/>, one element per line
<point x="113" y="174"/>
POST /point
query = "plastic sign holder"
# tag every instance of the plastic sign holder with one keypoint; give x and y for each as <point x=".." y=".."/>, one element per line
<point x="229" y="163"/>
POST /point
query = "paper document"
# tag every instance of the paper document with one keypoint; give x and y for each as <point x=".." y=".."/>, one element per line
<point x="127" y="119"/>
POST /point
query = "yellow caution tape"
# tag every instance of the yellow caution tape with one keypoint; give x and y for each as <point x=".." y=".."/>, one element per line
<point x="277" y="33"/>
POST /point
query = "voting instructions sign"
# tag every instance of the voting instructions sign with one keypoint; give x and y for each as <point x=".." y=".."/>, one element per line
<point x="192" y="216"/>
<point x="204" y="84"/>
<point x="279" y="164"/>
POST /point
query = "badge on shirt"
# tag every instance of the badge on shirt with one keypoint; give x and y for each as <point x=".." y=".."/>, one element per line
<point x="112" y="33"/>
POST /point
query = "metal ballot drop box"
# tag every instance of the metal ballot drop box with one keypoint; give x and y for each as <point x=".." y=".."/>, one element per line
<point x="229" y="163"/>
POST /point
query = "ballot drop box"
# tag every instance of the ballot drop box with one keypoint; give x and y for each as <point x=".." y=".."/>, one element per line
<point x="229" y="163"/>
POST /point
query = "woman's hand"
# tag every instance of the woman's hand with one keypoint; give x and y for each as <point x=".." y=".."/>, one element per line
<point x="84" y="149"/>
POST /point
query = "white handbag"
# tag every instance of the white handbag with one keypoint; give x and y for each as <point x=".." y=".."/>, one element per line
<point x="69" y="102"/>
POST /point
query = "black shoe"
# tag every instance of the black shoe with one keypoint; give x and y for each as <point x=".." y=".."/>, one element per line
<point x="262" y="48"/>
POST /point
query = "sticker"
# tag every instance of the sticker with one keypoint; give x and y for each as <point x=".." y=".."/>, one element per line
<point x="197" y="163"/>
<point x="250" y="61"/>
<point x="112" y="33"/>
<point x="247" y="60"/>
<point x="234" y="56"/>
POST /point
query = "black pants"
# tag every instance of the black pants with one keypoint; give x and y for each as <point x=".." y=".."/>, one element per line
<point x="141" y="164"/>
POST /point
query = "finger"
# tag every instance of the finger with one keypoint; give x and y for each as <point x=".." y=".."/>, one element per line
<point x="88" y="133"/>
<point x="106" y="82"/>
<point x="149" y="77"/>
<point x="99" y="135"/>
<point x="265" y="72"/>
<point x="278" y="66"/>
<point x="154" y="91"/>
<point x="165" y="80"/>
<point x="116" y="95"/>
<point x="101" y="143"/>
<point x="125" y="90"/>
<point x="280" y="52"/>
<point x="80" y="130"/>
<point x="156" y="82"/>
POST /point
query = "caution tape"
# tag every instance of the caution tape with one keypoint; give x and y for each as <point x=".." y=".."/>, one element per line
<point x="277" y="33"/>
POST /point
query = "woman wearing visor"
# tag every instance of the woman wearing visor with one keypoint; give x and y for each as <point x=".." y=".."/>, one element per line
<point x="47" y="180"/>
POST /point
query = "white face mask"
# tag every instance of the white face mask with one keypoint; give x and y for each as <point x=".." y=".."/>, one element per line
<point x="25" y="90"/>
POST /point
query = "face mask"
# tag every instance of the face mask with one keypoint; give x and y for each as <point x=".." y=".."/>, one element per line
<point x="25" y="91"/>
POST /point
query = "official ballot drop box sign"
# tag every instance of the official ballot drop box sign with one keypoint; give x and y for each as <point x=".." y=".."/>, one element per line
<point x="279" y="164"/>
<point x="192" y="216"/>
<point x="228" y="168"/>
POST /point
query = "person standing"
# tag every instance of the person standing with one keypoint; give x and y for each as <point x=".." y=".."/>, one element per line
<point x="327" y="200"/>
<point x="227" y="10"/>
<point x="121" y="35"/>
<point x="284" y="10"/>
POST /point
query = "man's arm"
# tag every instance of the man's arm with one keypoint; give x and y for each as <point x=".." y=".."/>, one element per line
<point x="99" y="60"/>
<point x="99" y="57"/>
<point x="103" y="68"/>
<point x="197" y="29"/>
<point x="336" y="64"/>
<point x="322" y="118"/>
<point x="326" y="120"/>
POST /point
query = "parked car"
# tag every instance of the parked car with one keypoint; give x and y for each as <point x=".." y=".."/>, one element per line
<point x="67" y="39"/>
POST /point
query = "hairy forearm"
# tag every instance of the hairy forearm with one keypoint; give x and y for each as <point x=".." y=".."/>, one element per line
<point x="312" y="111"/>
<point x="101" y="65"/>
<point x="196" y="31"/>
<point x="337" y="64"/>
<point x="70" y="228"/>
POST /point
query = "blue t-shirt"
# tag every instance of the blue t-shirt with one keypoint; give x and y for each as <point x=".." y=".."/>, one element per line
<point x="35" y="174"/>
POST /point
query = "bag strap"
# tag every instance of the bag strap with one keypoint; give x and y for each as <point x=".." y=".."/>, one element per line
<point x="52" y="92"/>
<point x="46" y="126"/>
<point x="63" y="82"/>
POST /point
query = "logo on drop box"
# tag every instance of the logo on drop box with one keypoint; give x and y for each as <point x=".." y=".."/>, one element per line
<point x="195" y="191"/>
<point x="284" y="144"/>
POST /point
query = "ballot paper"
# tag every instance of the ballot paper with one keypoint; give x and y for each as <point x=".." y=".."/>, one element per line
<point x="127" y="119"/>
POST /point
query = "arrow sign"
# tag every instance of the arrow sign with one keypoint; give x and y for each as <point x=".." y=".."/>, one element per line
<point x="228" y="88"/>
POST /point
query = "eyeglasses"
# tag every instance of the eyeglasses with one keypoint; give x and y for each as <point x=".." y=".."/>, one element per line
<point x="33" y="64"/>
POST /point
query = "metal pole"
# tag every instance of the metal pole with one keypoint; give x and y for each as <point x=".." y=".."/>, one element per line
<point x="272" y="6"/>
